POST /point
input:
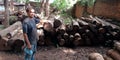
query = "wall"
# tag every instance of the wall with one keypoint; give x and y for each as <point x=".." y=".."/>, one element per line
<point x="106" y="8"/>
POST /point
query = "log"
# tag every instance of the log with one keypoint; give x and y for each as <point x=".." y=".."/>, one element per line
<point x="94" y="19"/>
<point x="61" y="30"/>
<point x="107" y="57"/>
<point x="114" y="54"/>
<point x="41" y="40"/>
<point x="60" y="40"/>
<point x="95" y="56"/>
<point x="48" y="41"/>
<point x="15" y="44"/>
<point x="82" y="23"/>
<point x="77" y="39"/>
<point x="117" y="46"/>
<point x="107" y="23"/>
<point x="10" y="28"/>
<point x="12" y="33"/>
<point x="3" y="44"/>
<point x="48" y="26"/>
<point x="57" y="23"/>
<point x="66" y="38"/>
<point x="76" y="27"/>
<point x="71" y="38"/>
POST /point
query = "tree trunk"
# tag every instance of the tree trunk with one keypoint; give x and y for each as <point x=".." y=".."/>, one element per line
<point x="42" y="6"/>
<point x="47" y="8"/>
<point x="11" y="6"/>
<point x="6" y="21"/>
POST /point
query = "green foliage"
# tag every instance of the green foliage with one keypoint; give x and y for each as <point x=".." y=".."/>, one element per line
<point x="2" y="27"/>
<point x="12" y="19"/>
<point x="60" y="4"/>
<point x="88" y="2"/>
<point x="23" y="1"/>
<point x="67" y="18"/>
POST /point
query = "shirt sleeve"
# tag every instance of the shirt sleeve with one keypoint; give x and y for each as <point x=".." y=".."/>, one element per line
<point x="37" y="20"/>
<point x="25" y="28"/>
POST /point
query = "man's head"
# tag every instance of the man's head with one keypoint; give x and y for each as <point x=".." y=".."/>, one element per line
<point x="30" y="12"/>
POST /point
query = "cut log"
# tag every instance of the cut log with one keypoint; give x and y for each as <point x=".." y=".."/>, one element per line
<point x="82" y="23"/>
<point x="61" y="42"/>
<point x="3" y="44"/>
<point x="107" y="57"/>
<point x="76" y="27"/>
<point x="77" y="40"/>
<point x="57" y="23"/>
<point x="10" y="28"/>
<point x="48" y="26"/>
<point x="95" y="56"/>
<point x="114" y="54"/>
<point x="41" y="41"/>
<point x="15" y="44"/>
<point x="105" y="23"/>
<point x="12" y="33"/>
<point x="117" y="46"/>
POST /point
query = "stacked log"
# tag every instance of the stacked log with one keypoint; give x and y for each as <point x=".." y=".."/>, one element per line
<point x="114" y="54"/>
<point x="90" y="31"/>
<point x="95" y="56"/>
<point x="8" y="39"/>
<point x="107" y="57"/>
<point x="10" y="28"/>
<point x="12" y="33"/>
<point x="14" y="44"/>
<point x="77" y="39"/>
<point x="117" y="46"/>
<point x="3" y="44"/>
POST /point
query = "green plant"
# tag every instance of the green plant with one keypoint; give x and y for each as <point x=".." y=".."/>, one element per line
<point x="12" y="19"/>
<point x="60" y="4"/>
<point x="88" y="2"/>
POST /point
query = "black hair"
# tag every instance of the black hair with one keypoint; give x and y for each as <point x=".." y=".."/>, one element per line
<point x="28" y="9"/>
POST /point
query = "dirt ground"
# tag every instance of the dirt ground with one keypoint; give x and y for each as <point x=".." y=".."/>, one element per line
<point x="52" y="53"/>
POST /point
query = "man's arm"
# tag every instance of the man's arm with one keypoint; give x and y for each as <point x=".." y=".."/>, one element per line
<point x="25" y="31"/>
<point x="26" y="40"/>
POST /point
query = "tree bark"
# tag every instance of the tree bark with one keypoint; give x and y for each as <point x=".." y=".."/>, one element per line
<point x="6" y="21"/>
<point x="11" y="6"/>
<point x="47" y="8"/>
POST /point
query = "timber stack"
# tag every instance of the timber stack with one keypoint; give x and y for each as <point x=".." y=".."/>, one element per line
<point x="11" y="38"/>
<point x="91" y="31"/>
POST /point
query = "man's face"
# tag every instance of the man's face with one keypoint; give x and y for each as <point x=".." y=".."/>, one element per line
<point x="31" y="13"/>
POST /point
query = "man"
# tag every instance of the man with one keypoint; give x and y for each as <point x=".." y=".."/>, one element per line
<point x="30" y="34"/>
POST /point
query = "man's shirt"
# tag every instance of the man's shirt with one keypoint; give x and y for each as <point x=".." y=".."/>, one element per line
<point x="29" y="27"/>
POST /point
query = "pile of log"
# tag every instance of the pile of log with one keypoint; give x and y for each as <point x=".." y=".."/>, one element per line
<point x="11" y="44"/>
<point x="85" y="31"/>
<point x="11" y="38"/>
<point x="113" y="54"/>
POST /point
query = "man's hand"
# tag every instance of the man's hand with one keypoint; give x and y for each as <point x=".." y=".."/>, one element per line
<point x="29" y="46"/>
